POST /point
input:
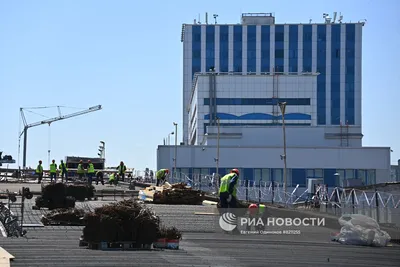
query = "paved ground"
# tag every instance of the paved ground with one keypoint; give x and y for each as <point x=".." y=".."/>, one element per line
<point x="15" y="187"/>
<point x="203" y="244"/>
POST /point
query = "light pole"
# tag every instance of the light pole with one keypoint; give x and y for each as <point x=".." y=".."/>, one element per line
<point x="282" y="106"/>
<point x="217" y="159"/>
<point x="102" y="150"/>
<point x="176" y="146"/>
<point x="169" y="137"/>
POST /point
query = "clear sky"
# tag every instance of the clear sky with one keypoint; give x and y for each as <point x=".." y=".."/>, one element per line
<point x="127" y="56"/>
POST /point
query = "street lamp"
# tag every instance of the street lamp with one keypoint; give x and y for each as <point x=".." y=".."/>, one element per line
<point x="282" y="106"/>
<point x="176" y="146"/>
<point x="102" y="150"/>
<point x="169" y="137"/>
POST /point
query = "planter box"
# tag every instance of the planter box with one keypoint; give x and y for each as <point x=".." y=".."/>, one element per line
<point x="160" y="243"/>
<point x="172" y="244"/>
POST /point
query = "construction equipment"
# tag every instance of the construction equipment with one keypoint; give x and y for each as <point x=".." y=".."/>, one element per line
<point x="48" y="121"/>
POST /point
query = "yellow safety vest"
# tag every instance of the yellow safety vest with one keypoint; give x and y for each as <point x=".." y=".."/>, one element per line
<point x="39" y="169"/>
<point x="112" y="177"/>
<point x="225" y="184"/>
<point x="121" y="169"/>
<point x="53" y="168"/>
<point x="80" y="169"/>
<point x="91" y="168"/>
<point x="61" y="166"/>
<point x="261" y="208"/>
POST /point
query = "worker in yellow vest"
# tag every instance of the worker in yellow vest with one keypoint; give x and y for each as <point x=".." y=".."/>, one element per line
<point x="121" y="170"/>
<point x="228" y="188"/>
<point x="63" y="171"/>
<point x="53" y="171"/>
<point x="90" y="171"/>
<point x="39" y="171"/>
<point x="80" y="171"/>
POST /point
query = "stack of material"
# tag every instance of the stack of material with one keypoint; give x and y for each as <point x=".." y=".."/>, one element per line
<point x="179" y="194"/>
<point x="59" y="195"/>
<point x="64" y="217"/>
<point x="126" y="220"/>
<point x="169" y="233"/>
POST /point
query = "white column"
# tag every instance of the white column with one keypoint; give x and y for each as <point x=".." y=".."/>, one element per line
<point x="286" y="49"/>
<point x="187" y="78"/>
<point x="244" y="49"/>
<point x="203" y="48"/>
<point x="314" y="48"/>
<point x="258" y="49"/>
<point x="272" y="48"/>
<point x="216" y="48"/>
<point x="358" y="75"/>
<point x="300" y="49"/>
<point x="328" y="73"/>
<point x="230" y="44"/>
<point x="342" y="73"/>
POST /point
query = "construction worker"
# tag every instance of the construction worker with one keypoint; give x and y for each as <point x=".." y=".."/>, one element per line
<point x="90" y="171"/>
<point x="53" y="171"/>
<point x="99" y="177"/>
<point x="121" y="170"/>
<point x="257" y="211"/>
<point x="112" y="179"/>
<point x="228" y="188"/>
<point x="80" y="171"/>
<point x="63" y="171"/>
<point x="39" y="171"/>
<point x="161" y="176"/>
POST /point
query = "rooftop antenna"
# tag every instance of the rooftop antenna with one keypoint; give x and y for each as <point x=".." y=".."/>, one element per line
<point x="206" y="18"/>
<point x="310" y="21"/>
<point x="215" y="18"/>
<point x="334" y="16"/>
<point x="326" y="17"/>
<point x="199" y="19"/>
<point x="340" y="18"/>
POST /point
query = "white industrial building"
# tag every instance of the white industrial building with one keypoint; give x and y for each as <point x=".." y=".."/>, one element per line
<point x="239" y="74"/>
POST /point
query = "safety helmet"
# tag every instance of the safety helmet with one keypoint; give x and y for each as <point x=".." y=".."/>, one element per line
<point x="80" y="161"/>
<point x="166" y="171"/>
<point x="235" y="171"/>
<point x="89" y="161"/>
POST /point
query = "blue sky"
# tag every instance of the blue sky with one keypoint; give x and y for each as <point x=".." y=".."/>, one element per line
<point x="127" y="56"/>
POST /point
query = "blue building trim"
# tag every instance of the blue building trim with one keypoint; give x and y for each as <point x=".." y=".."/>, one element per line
<point x="260" y="116"/>
<point x="224" y="48"/>
<point x="205" y="125"/>
<point x="307" y="48"/>
<point x="237" y="48"/>
<point x="279" y="48"/>
<point x="265" y="48"/>
<point x="321" y="78"/>
<point x="258" y="101"/>
<point x="335" y="74"/>
<point x="299" y="176"/>
<point x="293" y="47"/>
<point x="196" y="49"/>
<point x="210" y="47"/>
<point x="251" y="48"/>
<point x="350" y="74"/>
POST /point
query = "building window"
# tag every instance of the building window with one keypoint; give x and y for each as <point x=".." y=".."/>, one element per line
<point x="349" y="174"/>
<point x="278" y="175"/>
<point x="371" y="178"/>
<point x="362" y="175"/>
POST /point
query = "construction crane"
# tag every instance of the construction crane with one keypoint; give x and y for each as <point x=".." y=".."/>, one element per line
<point x="49" y="121"/>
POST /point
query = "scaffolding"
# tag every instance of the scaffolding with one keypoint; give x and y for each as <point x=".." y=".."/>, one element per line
<point x="344" y="134"/>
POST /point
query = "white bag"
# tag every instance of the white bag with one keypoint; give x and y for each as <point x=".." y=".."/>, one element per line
<point x="362" y="230"/>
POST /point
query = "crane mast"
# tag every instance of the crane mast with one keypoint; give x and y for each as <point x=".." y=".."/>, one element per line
<point x="49" y="121"/>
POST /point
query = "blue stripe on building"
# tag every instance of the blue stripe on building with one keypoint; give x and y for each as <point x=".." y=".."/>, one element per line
<point x="350" y="74"/>
<point x="293" y="47"/>
<point x="321" y="78"/>
<point x="251" y="48"/>
<point x="258" y="101"/>
<point x="335" y="74"/>
<point x="307" y="48"/>
<point x="279" y="48"/>
<point x="210" y="47"/>
<point x="265" y="48"/>
<point x="196" y="49"/>
<point x="224" y="48"/>
<point x="260" y="116"/>
<point x="237" y="48"/>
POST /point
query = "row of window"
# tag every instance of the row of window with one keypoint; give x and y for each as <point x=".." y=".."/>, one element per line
<point x="331" y="177"/>
<point x="258" y="101"/>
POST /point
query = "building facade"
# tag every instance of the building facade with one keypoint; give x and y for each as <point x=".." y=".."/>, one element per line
<point x="234" y="78"/>
<point x="258" y="45"/>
